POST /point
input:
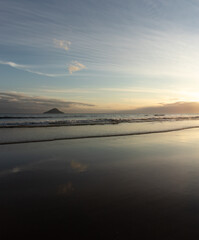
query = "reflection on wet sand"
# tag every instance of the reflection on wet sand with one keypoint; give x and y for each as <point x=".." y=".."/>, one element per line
<point x="66" y="189"/>
<point x="78" y="167"/>
<point x="11" y="171"/>
<point x="141" y="187"/>
<point x="30" y="166"/>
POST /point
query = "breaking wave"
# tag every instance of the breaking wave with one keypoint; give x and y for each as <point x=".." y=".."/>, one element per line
<point x="38" y="128"/>
<point x="83" y="120"/>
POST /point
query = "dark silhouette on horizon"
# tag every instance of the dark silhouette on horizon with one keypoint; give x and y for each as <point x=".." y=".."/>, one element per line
<point x="54" y="111"/>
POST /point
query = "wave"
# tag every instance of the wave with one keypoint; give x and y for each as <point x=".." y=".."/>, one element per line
<point x="97" y="121"/>
<point x="97" y="136"/>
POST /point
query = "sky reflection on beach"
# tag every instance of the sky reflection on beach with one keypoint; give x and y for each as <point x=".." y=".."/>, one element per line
<point x="115" y="188"/>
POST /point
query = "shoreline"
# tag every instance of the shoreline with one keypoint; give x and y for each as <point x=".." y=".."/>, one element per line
<point x="99" y="136"/>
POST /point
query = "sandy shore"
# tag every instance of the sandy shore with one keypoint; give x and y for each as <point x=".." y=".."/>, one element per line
<point x="105" y="188"/>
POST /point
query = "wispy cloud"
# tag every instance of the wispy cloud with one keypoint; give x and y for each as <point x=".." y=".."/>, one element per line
<point x="62" y="44"/>
<point x="27" y="68"/>
<point x="72" y="90"/>
<point x="14" y="65"/>
<point x="113" y="90"/>
<point x="171" y="108"/>
<point x="75" y="66"/>
<point x="138" y="90"/>
<point x="20" y="102"/>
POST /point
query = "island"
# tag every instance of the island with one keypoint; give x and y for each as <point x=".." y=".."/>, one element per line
<point x="53" y="111"/>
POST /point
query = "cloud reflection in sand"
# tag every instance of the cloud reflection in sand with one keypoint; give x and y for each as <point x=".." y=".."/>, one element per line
<point x="66" y="189"/>
<point x="78" y="167"/>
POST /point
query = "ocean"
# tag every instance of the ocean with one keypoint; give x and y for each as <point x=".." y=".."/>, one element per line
<point x="22" y="128"/>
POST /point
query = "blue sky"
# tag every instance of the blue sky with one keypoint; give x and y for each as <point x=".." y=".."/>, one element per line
<point x="105" y="55"/>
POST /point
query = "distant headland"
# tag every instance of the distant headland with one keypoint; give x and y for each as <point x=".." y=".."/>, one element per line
<point x="54" y="111"/>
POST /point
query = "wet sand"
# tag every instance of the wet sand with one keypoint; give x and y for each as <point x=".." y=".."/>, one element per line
<point x="102" y="188"/>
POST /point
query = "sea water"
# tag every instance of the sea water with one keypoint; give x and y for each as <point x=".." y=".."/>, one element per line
<point x="21" y="128"/>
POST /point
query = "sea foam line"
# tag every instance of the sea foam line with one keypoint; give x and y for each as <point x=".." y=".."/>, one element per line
<point x="90" y="122"/>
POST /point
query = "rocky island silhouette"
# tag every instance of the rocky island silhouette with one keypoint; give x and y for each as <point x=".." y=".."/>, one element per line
<point x="53" y="111"/>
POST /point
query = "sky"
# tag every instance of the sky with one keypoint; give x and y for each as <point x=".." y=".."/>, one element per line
<point x="99" y="56"/>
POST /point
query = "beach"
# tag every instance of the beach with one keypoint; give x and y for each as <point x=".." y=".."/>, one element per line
<point x="122" y="187"/>
<point x="99" y="120"/>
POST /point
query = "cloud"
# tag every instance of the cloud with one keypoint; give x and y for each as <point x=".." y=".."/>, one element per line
<point x="62" y="44"/>
<point x="14" y="65"/>
<point x="27" y="68"/>
<point x="139" y="90"/>
<point x="73" y="90"/>
<point x="75" y="66"/>
<point x="13" y="102"/>
<point x="171" y="108"/>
